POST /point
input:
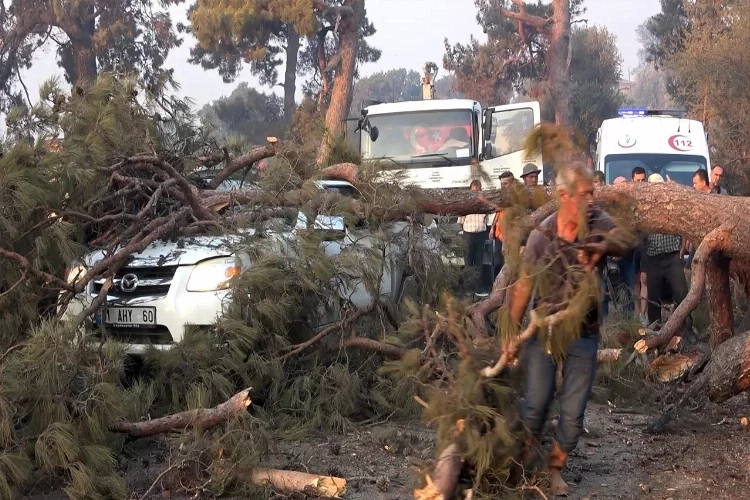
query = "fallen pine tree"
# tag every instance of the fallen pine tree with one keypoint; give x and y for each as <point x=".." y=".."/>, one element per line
<point x="146" y="191"/>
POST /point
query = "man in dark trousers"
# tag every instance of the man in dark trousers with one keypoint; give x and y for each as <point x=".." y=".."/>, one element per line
<point x="557" y="254"/>
<point x="665" y="269"/>
<point x="476" y="234"/>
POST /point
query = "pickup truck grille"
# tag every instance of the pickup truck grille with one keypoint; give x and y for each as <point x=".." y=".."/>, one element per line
<point x="159" y="335"/>
<point x="139" y="282"/>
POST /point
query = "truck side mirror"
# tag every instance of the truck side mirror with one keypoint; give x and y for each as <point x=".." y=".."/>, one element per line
<point x="487" y="125"/>
<point x="487" y="150"/>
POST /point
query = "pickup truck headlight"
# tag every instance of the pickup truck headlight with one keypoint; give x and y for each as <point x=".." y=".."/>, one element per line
<point x="75" y="273"/>
<point x="212" y="275"/>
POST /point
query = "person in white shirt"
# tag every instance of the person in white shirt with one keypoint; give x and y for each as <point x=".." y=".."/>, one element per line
<point x="475" y="233"/>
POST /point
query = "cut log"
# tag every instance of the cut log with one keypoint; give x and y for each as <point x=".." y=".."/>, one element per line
<point x="293" y="481"/>
<point x="670" y="367"/>
<point x="726" y="375"/>
<point x="447" y="470"/>
<point x="201" y="419"/>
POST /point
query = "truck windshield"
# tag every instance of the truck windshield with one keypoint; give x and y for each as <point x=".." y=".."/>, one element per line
<point x="678" y="168"/>
<point x="421" y="139"/>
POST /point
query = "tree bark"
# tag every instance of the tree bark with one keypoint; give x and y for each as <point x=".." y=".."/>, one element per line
<point x="338" y="108"/>
<point x="202" y="419"/>
<point x="719" y="300"/>
<point x="558" y="60"/>
<point x="726" y="375"/>
<point x="446" y="473"/>
<point x="290" y="73"/>
<point x="84" y="61"/>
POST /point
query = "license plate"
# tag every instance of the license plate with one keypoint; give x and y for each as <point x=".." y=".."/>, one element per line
<point x="129" y="316"/>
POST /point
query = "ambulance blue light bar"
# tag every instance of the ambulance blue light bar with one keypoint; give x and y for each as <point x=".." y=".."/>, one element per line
<point x="632" y="112"/>
<point x="681" y="113"/>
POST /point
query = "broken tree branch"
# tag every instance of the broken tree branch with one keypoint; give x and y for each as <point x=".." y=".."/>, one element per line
<point x="447" y="470"/>
<point x="241" y="162"/>
<point x="202" y="418"/>
<point x="339" y="325"/>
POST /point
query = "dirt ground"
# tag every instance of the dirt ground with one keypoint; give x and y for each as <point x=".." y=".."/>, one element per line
<point x="702" y="455"/>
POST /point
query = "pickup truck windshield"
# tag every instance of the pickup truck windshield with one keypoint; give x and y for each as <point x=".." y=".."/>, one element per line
<point x="421" y="139"/>
<point x="678" y="168"/>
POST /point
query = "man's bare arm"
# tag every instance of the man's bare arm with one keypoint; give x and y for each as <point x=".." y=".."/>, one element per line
<point x="520" y="297"/>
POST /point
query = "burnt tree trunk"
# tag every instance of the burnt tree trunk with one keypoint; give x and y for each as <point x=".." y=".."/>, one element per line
<point x="341" y="92"/>
<point x="719" y="300"/>
<point x="558" y="60"/>
<point x="290" y="73"/>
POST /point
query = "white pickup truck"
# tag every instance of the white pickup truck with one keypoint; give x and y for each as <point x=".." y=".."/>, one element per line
<point x="172" y="284"/>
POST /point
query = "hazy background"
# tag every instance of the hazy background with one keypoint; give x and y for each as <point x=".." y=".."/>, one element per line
<point x="409" y="32"/>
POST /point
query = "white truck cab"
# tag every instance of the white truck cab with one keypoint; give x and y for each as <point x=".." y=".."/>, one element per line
<point x="661" y="141"/>
<point x="432" y="143"/>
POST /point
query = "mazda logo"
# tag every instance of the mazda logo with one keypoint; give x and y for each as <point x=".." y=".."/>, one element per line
<point x="129" y="283"/>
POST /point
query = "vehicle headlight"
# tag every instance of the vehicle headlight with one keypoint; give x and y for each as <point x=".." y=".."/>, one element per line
<point x="214" y="274"/>
<point x="75" y="273"/>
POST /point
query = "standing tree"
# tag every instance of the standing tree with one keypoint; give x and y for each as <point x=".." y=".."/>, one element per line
<point x="246" y="113"/>
<point x="395" y="85"/>
<point x="90" y="35"/>
<point x="346" y="20"/>
<point x="594" y="78"/>
<point x="663" y="34"/>
<point x="267" y="35"/>
<point x="525" y="42"/>
<point x="650" y="88"/>
<point x="399" y="85"/>
<point x="258" y="33"/>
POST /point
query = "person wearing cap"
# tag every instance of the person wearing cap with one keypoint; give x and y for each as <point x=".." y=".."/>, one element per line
<point x="530" y="174"/>
<point x="664" y="269"/>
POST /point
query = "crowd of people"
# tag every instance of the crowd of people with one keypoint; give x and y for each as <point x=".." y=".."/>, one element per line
<point x="654" y="272"/>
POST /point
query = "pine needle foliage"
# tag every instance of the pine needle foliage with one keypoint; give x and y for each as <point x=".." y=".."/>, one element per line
<point x="58" y="399"/>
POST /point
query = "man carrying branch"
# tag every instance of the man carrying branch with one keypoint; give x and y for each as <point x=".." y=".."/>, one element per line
<point x="561" y="274"/>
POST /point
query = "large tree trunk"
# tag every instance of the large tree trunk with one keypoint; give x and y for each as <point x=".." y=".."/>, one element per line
<point x="82" y="46"/>
<point x="341" y="93"/>
<point x="719" y="300"/>
<point x="558" y="60"/>
<point x="290" y="73"/>
<point x="84" y="61"/>
<point x="726" y="375"/>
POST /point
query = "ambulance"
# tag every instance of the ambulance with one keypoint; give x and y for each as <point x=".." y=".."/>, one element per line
<point x="664" y="142"/>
